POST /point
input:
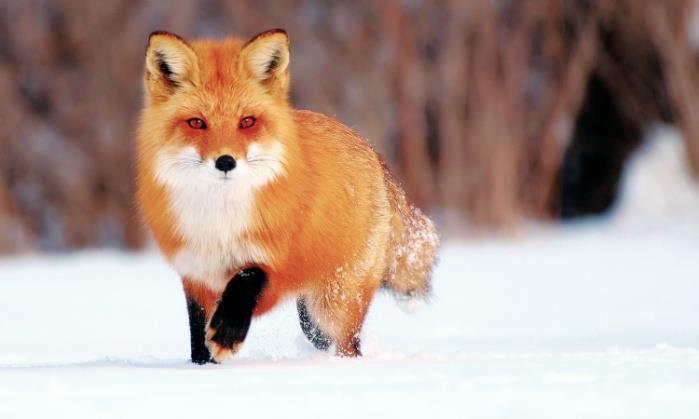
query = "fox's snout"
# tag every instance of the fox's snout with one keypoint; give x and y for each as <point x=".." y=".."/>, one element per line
<point x="225" y="163"/>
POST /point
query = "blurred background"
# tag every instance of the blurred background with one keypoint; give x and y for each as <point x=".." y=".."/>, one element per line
<point x="492" y="113"/>
<point x="554" y="142"/>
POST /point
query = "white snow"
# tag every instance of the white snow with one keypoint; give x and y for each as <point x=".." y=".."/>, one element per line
<point x="598" y="319"/>
<point x="658" y="186"/>
<point x="578" y="323"/>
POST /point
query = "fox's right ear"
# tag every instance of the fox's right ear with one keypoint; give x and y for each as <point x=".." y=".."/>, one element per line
<point x="170" y="64"/>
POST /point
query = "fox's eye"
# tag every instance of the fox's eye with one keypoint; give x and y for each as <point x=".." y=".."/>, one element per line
<point x="196" y="123"/>
<point x="247" y="122"/>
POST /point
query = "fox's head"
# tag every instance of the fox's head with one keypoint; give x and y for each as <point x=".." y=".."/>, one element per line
<point x="217" y="111"/>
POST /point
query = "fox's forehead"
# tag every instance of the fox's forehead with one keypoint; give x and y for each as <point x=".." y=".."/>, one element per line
<point x="218" y="62"/>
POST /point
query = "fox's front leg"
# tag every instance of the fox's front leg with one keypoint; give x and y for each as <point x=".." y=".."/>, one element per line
<point x="201" y="302"/>
<point x="230" y="321"/>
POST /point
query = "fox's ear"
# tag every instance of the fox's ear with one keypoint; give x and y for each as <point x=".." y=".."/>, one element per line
<point x="170" y="64"/>
<point x="266" y="58"/>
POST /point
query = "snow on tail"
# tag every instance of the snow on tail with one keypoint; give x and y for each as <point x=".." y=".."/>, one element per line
<point x="413" y="248"/>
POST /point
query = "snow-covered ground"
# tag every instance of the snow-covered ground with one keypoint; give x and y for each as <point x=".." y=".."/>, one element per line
<point x="594" y="320"/>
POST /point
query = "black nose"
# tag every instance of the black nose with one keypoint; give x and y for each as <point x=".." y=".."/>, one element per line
<point x="225" y="163"/>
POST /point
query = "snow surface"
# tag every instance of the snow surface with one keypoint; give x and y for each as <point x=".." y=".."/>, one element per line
<point x="579" y="323"/>
<point x="598" y="319"/>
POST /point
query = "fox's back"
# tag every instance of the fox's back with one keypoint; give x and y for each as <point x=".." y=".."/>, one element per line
<point x="345" y="213"/>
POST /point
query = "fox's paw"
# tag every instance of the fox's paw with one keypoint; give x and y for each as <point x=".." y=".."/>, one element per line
<point x="222" y="343"/>
<point x="230" y="323"/>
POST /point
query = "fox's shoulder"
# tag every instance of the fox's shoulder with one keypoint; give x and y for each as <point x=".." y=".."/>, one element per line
<point x="319" y="123"/>
<point x="339" y="154"/>
<point x="325" y="131"/>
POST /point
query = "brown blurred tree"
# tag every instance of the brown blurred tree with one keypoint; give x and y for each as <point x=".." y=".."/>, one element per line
<point x="473" y="103"/>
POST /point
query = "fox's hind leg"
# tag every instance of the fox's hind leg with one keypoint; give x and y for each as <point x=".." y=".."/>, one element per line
<point x="200" y="303"/>
<point x="231" y="320"/>
<point x="310" y="327"/>
<point x="335" y="316"/>
<point x="350" y="317"/>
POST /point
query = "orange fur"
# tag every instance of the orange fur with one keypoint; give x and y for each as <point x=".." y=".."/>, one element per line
<point x="332" y="226"/>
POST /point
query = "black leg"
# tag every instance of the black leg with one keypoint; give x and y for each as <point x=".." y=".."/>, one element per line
<point x="232" y="318"/>
<point x="197" y="324"/>
<point x="310" y="328"/>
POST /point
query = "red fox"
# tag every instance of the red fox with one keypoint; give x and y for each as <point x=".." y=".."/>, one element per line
<point x="254" y="202"/>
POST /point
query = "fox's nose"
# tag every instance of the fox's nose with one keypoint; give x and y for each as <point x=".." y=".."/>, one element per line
<point x="225" y="163"/>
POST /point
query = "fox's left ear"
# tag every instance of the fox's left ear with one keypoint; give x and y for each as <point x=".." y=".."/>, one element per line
<point x="266" y="58"/>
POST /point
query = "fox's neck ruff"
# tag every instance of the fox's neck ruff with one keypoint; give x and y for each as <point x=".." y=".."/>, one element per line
<point x="213" y="212"/>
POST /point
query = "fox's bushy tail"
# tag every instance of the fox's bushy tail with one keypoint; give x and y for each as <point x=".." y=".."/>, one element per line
<point x="413" y="247"/>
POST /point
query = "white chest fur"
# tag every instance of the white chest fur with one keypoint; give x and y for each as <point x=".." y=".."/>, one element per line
<point x="213" y="211"/>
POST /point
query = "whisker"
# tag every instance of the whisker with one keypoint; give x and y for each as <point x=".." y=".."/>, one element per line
<point x="260" y="159"/>
<point x="261" y="163"/>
